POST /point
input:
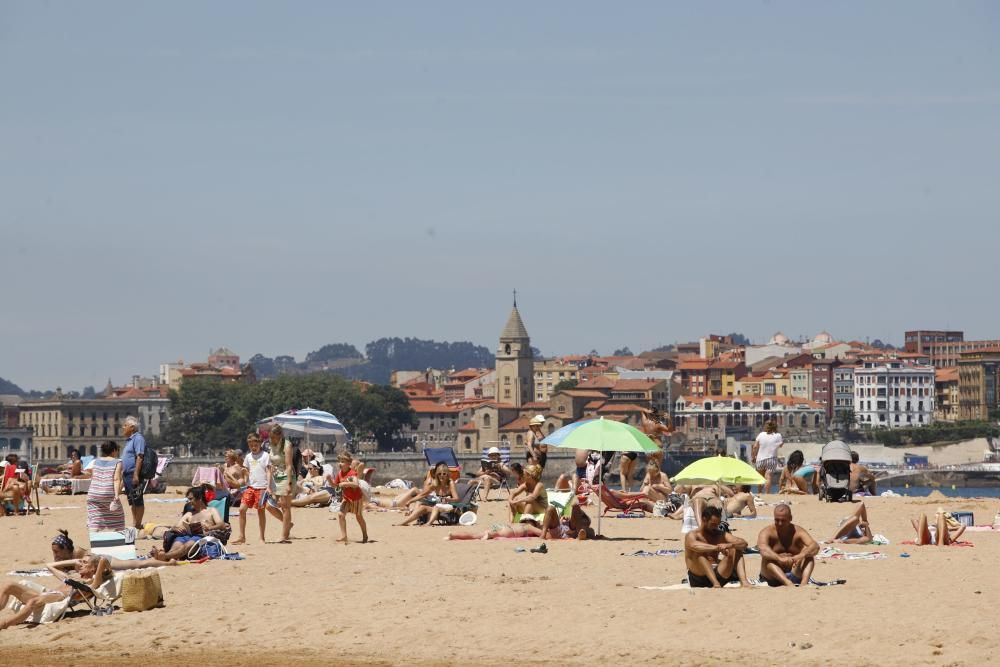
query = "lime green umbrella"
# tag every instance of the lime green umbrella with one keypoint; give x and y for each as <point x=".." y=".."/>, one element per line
<point x="724" y="469"/>
<point x="601" y="435"/>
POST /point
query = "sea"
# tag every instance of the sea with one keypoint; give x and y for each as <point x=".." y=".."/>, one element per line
<point x="950" y="491"/>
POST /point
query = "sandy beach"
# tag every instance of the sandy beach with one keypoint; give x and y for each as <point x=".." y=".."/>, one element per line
<point x="410" y="596"/>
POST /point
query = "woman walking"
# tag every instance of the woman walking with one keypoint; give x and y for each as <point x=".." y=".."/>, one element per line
<point x="284" y="465"/>
<point x="104" y="510"/>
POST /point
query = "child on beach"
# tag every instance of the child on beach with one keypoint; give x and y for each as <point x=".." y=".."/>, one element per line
<point x="258" y="465"/>
<point x="347" y="480"/>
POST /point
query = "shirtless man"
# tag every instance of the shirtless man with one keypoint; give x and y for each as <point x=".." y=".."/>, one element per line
<point x="192" y="527"/>
<point x="741" y="500"/>
<point x="713" y="557"/>
<point x="787" y="551"/>
<point x="862" y="479"/>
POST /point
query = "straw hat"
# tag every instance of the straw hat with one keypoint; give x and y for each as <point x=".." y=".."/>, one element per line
<point x="537" y="420"/>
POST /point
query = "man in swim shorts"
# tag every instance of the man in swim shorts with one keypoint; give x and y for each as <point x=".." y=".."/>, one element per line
<point x="787" y="551"/>
<point x="714" y="557"/>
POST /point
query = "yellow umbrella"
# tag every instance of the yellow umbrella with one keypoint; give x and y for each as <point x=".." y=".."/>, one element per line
<point x="713" y="469"/>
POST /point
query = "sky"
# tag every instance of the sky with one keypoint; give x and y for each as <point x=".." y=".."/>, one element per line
<point x="176" y="177"/>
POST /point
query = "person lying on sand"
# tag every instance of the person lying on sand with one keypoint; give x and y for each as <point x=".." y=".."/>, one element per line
<point x="787" y="551"/>
<point x="855" y="529"/>
<point x="68" y="556"/>
<point x="714" y="557"/>
<point x="741" y="500"/>
<point x="943" y="533"/>
<point x="94" y="571"/>
<point x="557" y="527"/>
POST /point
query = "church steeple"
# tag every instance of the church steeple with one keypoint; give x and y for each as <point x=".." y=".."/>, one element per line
<point x="515" y="367"/>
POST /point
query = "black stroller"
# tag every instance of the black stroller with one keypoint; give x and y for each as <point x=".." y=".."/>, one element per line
<point x="835" y="472"/>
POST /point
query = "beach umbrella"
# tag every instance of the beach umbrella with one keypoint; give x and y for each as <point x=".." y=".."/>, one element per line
<point x="308" y="422"/>
<point x="602" y="435"/>
<point x="718" y="469"/>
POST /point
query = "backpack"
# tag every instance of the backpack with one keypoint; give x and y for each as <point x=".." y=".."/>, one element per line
<point x="149" y="462"/>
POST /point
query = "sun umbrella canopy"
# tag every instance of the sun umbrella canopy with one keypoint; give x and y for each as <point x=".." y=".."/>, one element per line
<point x="602" y="435"/>
<point x="308" y="422"/>
<point x="712" y="469"/>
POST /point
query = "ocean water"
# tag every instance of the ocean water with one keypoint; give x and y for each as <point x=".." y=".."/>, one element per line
<point x="957" y="492"/>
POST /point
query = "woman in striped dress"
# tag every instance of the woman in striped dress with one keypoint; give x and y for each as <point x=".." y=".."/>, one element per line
<point x="104" y="510"/>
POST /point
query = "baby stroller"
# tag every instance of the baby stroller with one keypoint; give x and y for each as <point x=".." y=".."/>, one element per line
<point x="835" y="472"/>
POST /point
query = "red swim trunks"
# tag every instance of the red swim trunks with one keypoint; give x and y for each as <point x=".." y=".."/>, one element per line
<point x="252" y="497"/>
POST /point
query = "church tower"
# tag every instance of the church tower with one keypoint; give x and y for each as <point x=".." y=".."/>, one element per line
<point x="515" y="362"/>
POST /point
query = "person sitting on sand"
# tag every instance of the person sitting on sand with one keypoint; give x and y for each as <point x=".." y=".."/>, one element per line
<point x="740" y="501"/>
<point x="68" y="556"/>
<point x="558" y="527"/>
<point x="315" y="488"/>
<point x="711" y="495"/>
<point x="714" y="557"/>
<point x="943" y="533"/>
<point x="193" y="526"/>
<point x="492" y="472"/>
<point x="787" y="551"/>
<point x="862" y="479"/>
<point x="655" y="484"/>
<point x="442" y="489"/>
<point x="855" y="529"/>
<point x="530" y="497"/>
<point x="94" y="571"/>
<point x="789" y="482"/>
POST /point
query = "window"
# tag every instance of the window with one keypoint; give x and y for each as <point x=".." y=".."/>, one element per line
<point x="519" y="440"/>
<point x="468" y="442"/>
<point x="486" y="420"/>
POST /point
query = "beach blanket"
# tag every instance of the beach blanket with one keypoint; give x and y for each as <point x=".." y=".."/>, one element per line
<point x="983" y="529"/>
<point x="166" y="500"/>
<point x="42" y="572"/>
<point x="658" y="552"/>
<point x="756" y="583"/>
<point x="960" y="543"/>
<point x="833" y="553"/>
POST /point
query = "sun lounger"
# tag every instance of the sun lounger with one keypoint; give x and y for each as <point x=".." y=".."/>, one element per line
<point x="98" y="601"/>
<point x="627" y="503"/>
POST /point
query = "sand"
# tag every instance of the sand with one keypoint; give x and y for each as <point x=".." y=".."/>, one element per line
<point x="411" y="596"/>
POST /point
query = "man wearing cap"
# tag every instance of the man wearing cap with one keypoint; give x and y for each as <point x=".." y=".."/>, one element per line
<point x="492" y="473"/>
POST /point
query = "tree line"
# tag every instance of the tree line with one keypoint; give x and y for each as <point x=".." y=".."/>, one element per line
<point x="209" y="414"/>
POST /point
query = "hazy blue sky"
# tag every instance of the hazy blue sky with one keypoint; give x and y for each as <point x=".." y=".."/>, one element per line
<point x="273" y="177"/>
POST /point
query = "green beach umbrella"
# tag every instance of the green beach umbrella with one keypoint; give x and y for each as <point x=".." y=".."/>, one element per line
<point x="602" y="435"/>
<point x="724" y="469"/>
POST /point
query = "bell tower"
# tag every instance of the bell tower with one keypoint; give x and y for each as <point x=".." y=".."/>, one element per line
<point x="515" y="362"/>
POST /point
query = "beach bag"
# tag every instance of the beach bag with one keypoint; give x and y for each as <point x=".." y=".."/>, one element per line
<point x="661" y="508"/>
<point x="149" y="463"/>
<point x="141" y="591"/>
<point x="207" y="547"/>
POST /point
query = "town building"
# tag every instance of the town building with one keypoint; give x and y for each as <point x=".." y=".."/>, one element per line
<point x="514" y="363"/>
<point x="772" y="383"/>
<point x="822" y="383"/>
<point x="716" y="377"/>
<point x="550" y="372"/>
<point x="222" y="363"/>
<point x="708" y="418"/>
<point x="60" y="424"/>
<point x="947" y="394"/>
<point x="843" y="394"/>
<point x="978" y="383"/>
<point x="944" y="348"/>
<point x="16" y="440"/>
<point x="891" y="393"/>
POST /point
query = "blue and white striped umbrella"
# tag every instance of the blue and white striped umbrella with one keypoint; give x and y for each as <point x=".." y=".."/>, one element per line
<point x="308" y="422"/>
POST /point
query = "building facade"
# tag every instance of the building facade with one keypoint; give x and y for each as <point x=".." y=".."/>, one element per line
<point x="59" y="425"/>
<point x="978" y="383"/>
<point x="947" y="394"/>
<point x="890" y="393"/>
<point x="515" y="364"/>
<point x="710" y="417"/>
<point x="843" y="394"/>
<point x="945" y="348"/>
<point x="550" y="372"/>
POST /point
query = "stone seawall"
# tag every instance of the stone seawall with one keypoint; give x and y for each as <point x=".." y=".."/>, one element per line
<point x="388" y="466"/>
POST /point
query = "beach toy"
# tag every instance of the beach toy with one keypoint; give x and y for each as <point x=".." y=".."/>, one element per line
<point x="467" y="519"/>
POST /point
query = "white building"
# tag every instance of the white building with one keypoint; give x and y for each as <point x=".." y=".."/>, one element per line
<point x="893" y="394"/>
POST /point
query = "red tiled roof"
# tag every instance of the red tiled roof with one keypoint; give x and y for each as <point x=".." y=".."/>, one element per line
<point x="536" y="405"/>
<point x="946" y="375"/>
<point x="583" y="393"/>
<point x="621" y="408"/>
<point x="635" y="385"/>
<point x="593" y="405"/>
<point x="432" y="407"/>
<point x="468" y="427"/>
<point x="519" y="424"/>
<point x="599" y="382"/>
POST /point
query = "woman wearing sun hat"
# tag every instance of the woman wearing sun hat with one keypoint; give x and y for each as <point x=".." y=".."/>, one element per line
<point x="537" y="452"/>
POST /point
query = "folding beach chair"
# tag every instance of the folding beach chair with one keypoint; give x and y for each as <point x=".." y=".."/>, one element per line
<point x="467" y="491"/>
<point x="99" y="602"/>
<point x="627" y="503"/>
<point x="446" y="455"/>
<point x="504" y="461"/>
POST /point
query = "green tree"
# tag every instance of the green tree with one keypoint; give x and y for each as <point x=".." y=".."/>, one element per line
<point x="564" y="384"/>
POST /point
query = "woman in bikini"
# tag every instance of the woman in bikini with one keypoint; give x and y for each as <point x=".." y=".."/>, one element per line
<point x="442" y="489"/>
<point x="68" y="556"/>
<point x="943" y="533"/>
<point x="537" y="453"/>
<point x="530" y="498"/>
<point x="855" y="529"/>
<point x="790" y="483"/>
<point x="655" y="485"/>
<point x="94" y="571"/>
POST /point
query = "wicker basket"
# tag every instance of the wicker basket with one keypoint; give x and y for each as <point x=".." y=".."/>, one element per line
<point x="141" y="591"/>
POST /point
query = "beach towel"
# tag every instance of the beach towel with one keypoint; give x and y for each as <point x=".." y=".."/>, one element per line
<point x="983" y="529"/>
<point x="41" y="572"/>
<point x="658" y="552"/>
<point x="756" y="583"/>
<point x="960" y="543"/>
<point x="833" y="553"/>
